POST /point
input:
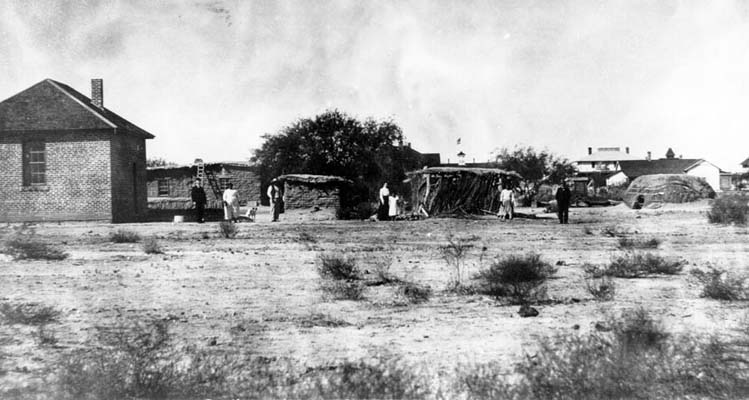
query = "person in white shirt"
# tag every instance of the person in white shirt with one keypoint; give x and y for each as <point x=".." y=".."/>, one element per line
<point x="506" y="199"/>
<point x="231" y="203"/>
<point x="382" y="213"/>
<point x="393" y="207"/>
<point x="274" y="195"/>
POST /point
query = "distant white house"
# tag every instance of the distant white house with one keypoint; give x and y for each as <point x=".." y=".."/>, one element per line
<point x="610" y="167"/>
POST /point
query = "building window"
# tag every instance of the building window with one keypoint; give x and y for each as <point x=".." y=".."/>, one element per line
<point x="223" y="183"/>
<point x="163" y="184"/>
<point x="34" y="164"/>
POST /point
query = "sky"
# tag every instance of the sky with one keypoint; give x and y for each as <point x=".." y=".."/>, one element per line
<point x="209" y="78"/>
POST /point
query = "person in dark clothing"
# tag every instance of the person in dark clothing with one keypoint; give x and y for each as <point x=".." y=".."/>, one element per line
<point x="563" y="197"/>
<point x="198" y="197"/>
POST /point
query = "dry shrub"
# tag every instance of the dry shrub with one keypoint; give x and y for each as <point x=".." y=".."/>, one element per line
<point x="124" y="236"/>
<point x="227" y="229"/>
<point x="729" y="209"/>
<point x="139" y="360"/>
<point x="613" y="231"/>
<point x="636" y="359"/>
<point x="628" y="243"/>
<point x="151" y="246"/>
<point x="720" y="285"/>
<point x="343" y="290"/>
<point x="454" y="254"/>
<point x="305" y="237"/>
<point x="379" y="377"/>
<point x="603" y="288"/>
<point x="414" y="292"/>
<point x="638" y="264"/>
<point x="520" y="277"/>
<point x="337" y="266"/>
<point x="25" y="245"/>
<point x="28" y="314"/>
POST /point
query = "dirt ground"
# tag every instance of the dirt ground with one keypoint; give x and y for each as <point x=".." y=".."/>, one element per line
<point x="260" y="291"/>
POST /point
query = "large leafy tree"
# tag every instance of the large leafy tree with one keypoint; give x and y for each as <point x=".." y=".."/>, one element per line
<point x="536" y="167"/>
<point x="334" y="143"/>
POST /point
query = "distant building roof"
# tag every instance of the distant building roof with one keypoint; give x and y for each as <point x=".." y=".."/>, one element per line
<point x="53" y="106"/>
<point x="634" y="169"/>
<point x="607" y="154"/>
<point x="207" y="164"/>
<point x="745" y="164"/>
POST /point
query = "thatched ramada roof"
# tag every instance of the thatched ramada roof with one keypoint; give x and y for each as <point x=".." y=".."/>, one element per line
<point x="306" y="178"/>
<point x="459" y="170"/>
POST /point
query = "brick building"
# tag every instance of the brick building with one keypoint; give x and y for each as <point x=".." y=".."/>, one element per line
<point x="169" y="186"/>
<point x="64" y="156"/>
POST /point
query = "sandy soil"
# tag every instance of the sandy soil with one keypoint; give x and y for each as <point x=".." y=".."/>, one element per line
<point x="259" y="290"/>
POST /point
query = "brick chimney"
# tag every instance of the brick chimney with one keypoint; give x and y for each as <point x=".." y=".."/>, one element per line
<point x="97" y="93"/>
<point x="626" y="149"/>
<point x="590" y="150"/>
<point x="649" y="156"/>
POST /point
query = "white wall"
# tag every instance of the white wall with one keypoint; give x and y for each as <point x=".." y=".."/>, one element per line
<point x="708" y="171"/>
<point x="616" y="179"/>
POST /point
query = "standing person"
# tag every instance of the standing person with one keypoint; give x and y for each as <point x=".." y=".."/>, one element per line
<point x="274" y="195"/>
<point x="199" y="199"/>
<point x="231" y="203"/>
<point x="392" y="207"/>
<point x="563" y="197"/>
<point x="382" y="213"/>
<point x="506" y="198"/>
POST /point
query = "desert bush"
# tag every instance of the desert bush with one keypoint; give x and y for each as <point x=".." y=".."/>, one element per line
<point x="520" y="277"/>
<point x="454" y="254"/>
<point x="139" y="360"/>
<point x="28" y="313"/>
<point x="337" y="266"/>
<point x="637" y="359"/>
<point x="45" y="336"/>
<point x="380" y="271"/>
<point x="227" y="229"/>
<point x="343" y="290"/>
<point x="305" y="237"/>
<point x="124" y="236"/>
<point x="603" y="288"/>
<point x="151" y="246"/>
<point x="638" y="264"/>
<point x="729" y="209"/>
<point x="30" y="247"/>
<point x="414" y="292"/>
<point x="379" y="377"/>
<point x="720" y="285"/>
<point x="627" y="243"/>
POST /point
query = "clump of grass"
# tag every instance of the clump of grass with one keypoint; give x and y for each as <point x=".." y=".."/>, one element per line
<point x="720" y="285"/>
<point x="633" y="243"/>
<point x="587" y="230"/>
<point x="44" y="336"/>
<point x="603" y="288"/>
<point x="29" y="247"/>
<point x="415" y="293"/>
<point x="343" y="290"/>
<point x="124" y="236"/>
<point x="324" y="320"/>
<point x="28" y="314"/>
<point x="519" y="277"/>
<point x="151" y="246"/>
<point x="139" y="360"/>
<point x="636" y="358"/>
<point x="306" y="237"/>
<point x="638" y="264"/>
<point x="378" y="377"/>
<point x="613" y="231"/>
<point x="729" y="209"/>
<point x="454" y="254"/>
<point x="337" y="266"/>
<point x="227" y="229"/>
